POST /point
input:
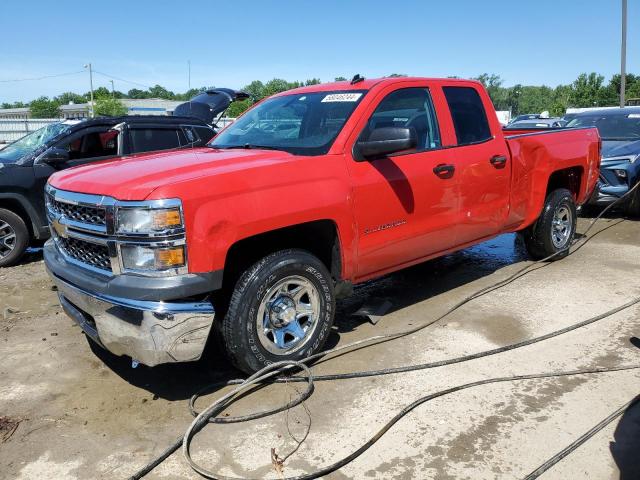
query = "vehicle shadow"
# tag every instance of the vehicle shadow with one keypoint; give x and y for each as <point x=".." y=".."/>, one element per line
<point x="625" y="448"/>
<point x="171" y="381"/>
<point x="432" y="278"/>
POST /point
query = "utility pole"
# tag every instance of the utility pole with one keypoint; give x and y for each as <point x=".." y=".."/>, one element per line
<point x="623" y="54"/>
<point x="88" y="65"/>
<point x="189" y="69"/>
<point x="113" y="93"/>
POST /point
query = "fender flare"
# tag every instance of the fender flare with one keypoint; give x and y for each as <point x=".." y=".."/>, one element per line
<point x="38" y="229"/>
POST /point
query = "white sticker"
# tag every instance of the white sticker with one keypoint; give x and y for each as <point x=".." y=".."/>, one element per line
<point x="633" y="115"/>
<point x="342" y="97"/>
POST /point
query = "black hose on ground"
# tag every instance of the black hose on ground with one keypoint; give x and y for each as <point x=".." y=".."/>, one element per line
<point x="580" y="440"/>
<point x="283" y="368"/>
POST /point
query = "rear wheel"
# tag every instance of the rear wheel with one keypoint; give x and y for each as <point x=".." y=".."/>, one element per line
<point x="14" y="238"/>
<point x="555" y="229"/>
<point x="282" y="308"/>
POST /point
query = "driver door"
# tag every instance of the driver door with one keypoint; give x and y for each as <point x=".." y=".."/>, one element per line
<point x="404" y="210"/>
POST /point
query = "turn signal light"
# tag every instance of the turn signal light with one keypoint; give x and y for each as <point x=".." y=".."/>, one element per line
<point x="169" y="257"/>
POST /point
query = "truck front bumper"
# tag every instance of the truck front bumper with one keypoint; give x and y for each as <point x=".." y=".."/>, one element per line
<point x="151" y="332"/>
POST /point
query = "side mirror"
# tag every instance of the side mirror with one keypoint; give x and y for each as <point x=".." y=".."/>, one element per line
<point x="55" y="155"/>
<point x="386" y="140"/>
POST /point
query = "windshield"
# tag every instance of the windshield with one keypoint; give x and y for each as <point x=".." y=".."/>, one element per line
<point x="611" y="127"/>
<point x="32" y="142"/>
<point x="301" y="124"/>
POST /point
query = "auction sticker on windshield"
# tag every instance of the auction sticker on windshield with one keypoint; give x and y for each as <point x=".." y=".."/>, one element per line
<point x="342" y="97"/>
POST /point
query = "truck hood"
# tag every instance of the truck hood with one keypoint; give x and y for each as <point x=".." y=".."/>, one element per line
<point x="135" y="177"/>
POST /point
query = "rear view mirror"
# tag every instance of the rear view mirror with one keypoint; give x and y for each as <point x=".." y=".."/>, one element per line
<point x="55" y="155"/>
<point x="386" y="140"/>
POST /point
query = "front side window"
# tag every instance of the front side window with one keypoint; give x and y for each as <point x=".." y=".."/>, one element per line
<point x="301" y="124"/>
<point x="407" y="108"/>
<point x="150" y="139"/>
<point x="92" y="144"/>
<point x="468" y="114"/>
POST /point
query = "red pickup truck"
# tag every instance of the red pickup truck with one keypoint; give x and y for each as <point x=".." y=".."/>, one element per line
<point x="310" y="191"/>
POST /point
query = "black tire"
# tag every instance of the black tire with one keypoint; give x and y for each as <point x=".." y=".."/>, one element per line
<point x="245" y="346"/>
<point x="633" y="206"/>
<point x="538" y="237"/>
<point x="14" y="238"/>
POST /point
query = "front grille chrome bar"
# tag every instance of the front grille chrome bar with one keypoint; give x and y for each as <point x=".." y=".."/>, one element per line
<point x="88" y="222"/>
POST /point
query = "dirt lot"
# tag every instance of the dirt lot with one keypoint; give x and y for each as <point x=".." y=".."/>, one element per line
<point x="74" y="412"/>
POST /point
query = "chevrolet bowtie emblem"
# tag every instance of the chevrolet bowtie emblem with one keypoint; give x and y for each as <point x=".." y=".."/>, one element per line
<point x="60" y="228"/>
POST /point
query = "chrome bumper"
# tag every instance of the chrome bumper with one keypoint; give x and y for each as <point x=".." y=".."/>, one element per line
<point x="149" y="332"/>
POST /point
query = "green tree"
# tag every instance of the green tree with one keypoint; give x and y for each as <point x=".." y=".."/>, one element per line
<point x="586" y="90"/>
<point x="69" y="97"/>
<point x="158" y="91"/>
<point x="137" y="93"/>
<point x="493" y="84"/>
<point x="237" y="108"/>
<point x="43" y="107"/>
<point x="108" y="106"/>
<point x="340" y="79"/>
<point x="14" y="105"/>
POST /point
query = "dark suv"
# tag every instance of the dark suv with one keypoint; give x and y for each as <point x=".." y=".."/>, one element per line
<point x="25" y="165"/>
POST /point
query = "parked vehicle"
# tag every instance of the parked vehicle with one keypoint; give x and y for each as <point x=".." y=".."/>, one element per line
<point x="553" y="122"/>
<point x="525" y="117"/>
<point x="25" y="165"/>
<point x="620" y="169"/>
<point x="310" y="191"/>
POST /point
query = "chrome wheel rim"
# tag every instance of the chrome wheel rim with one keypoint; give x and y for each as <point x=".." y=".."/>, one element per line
<point x="562" y="226"/>
<point x="7" y="239"/>
<point x="288" y="315"/>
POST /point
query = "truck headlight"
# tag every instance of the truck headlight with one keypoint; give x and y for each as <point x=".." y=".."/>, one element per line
<point x="138" y="257"/>
<point x="147" y="220"/>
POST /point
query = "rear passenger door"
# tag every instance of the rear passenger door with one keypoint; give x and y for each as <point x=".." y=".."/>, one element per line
<point x="483" y="167"/>
<point x="149" y="138"/>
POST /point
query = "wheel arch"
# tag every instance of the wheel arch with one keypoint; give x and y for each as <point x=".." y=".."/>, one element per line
<point x="569" y="178"/>
<point x="19" y="206"/>
<point x="319" y="237"/>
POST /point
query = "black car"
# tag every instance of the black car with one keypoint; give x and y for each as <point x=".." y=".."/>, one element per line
<point x="619" y="130"/>
<point x="25" y="165"/>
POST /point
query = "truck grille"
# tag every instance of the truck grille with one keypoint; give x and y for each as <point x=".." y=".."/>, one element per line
<point x="86" y="252"/>
<point x="79" y="213"/>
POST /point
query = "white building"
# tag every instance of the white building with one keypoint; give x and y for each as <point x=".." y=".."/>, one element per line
<point x="143" y="106"/>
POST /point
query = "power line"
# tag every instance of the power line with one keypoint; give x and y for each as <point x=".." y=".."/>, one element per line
<point x="41" y="78"/>
<point x="121" y="79"/>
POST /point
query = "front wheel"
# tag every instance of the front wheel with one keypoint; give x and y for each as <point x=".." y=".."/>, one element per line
<point x="14" y="238"/>
<point x="282" y="308"/>
<point x="553" y="232"/>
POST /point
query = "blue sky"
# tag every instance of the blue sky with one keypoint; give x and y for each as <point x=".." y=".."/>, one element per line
<point x="231" y="43"/>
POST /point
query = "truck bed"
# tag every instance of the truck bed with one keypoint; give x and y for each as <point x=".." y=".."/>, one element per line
<point x="536" y="154"/>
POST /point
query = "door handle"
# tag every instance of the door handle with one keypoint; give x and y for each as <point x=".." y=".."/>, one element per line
<point x="498" y="161"/>
<point x="444" y="170"/>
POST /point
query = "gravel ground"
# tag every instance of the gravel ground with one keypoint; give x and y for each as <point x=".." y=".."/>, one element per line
<point x="71" y="411"/>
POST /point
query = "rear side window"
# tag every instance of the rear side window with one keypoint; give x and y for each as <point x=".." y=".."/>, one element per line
<point x="149" y="139"/>
<point x="469" y="116"/>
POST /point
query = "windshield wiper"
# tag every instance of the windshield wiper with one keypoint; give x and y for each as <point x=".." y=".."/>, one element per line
<point x="247" y="146"/>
